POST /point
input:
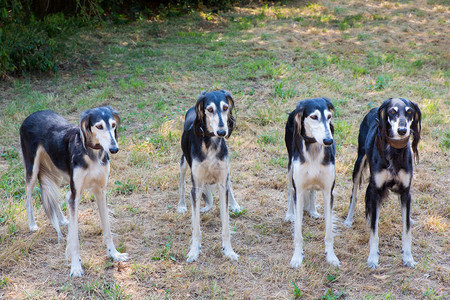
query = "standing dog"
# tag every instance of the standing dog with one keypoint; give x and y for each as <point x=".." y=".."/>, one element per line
<point x="383" y="144"/>
<point x="311" y="150"/>
<point x="54" y="149"/>
<point x="205" y="151"/>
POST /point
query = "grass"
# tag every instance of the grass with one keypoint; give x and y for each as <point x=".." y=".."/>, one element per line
<point x="268" y="57"/>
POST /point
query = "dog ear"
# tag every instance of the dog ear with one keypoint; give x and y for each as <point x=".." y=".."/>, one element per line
<point x="85" y="128"/>
<point x="416" y="127"/>
<point x="331" y="109"/>
<point x="230" y="120"/>
<point x="298" y="119"/>
<point x="382" y="128"/>
<point x="117" y="119"/>
<point x="200" y="114"/>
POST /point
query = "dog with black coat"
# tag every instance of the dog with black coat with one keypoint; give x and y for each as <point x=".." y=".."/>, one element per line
<point x="54" y="149"/>
<point x="383" y="146"/>
<point x="311" y="150"/>
<point x="205" y="151"/>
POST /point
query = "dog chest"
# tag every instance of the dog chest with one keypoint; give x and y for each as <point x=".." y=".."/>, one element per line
<point x="210" y="171"/>
<point x="392" y="179"/>
<point x="313" y="175"/>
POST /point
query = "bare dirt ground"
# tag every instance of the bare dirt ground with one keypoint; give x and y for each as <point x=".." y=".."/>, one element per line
<point x="409" y="43"/>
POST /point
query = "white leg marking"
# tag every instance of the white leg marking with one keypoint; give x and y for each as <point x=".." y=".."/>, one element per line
<point x="328" y="212"/>
<point x="372" y="260"/>
<point x="233" y="204"/>
<point x="100" y="196"/>
<point x="73" y="243"/>
<point x="351" y="210"/>
<point x="310" y="204"/>
<point x="196" y="234"/>
<point x="182" y="202"/>
<point x="406" y="242"/>
<point x="224" y="216"/>
<point x="297" y="257"/>
<point x="290" y="213"/>
<point x="209" y="198"/>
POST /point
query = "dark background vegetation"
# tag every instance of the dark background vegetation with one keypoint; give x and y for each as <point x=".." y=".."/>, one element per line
<point x="32" y="32"/>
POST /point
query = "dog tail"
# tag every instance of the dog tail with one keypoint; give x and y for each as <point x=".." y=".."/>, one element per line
<point x="49" y="182"/>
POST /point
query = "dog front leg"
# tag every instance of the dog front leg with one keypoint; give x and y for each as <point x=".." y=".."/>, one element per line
<point x="224" y="215"/>
<point x="328" y="212"/>
<point x="196" y="193"/>
<point x="372" y="198"/>
<point x="406" y="236"/>
<point x="73" y="243"/>
<point x="100" y="196"/>
<point x="290" y="213"/>
<point x="182" y="202"/>
<point x="297" y="258"/>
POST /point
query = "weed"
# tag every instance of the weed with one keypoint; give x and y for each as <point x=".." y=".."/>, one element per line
<point x="3" y="283"/>
<point x="297" y="292"/>
<point x="126" y="188"/>
<point x="381" y="83"/>
<point x="235" y="214"/>
<point x="330" y="294"/>
<point x="164" y="253"/>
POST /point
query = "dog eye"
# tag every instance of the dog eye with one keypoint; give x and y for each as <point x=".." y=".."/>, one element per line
<point x="99" y="127"/>
<point x="225" y="107"/>
<point x="314" y="117"/>
<point x="329" y="117"/>
<point x="210" y="109"/>
<point x="392" y="111"/>
<point x="113" y="125"/>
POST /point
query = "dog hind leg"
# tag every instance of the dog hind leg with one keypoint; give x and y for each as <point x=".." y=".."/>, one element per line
<point x="290" y="213"/>
<point x="32" y="171"/>
<point x="360" y="165"/>
<point x="233" y="204"/>
<point x="182" y="208"/>
<point x="310" y="204"/>
<point x="208" y="198"/>
<point x="196" y="234"/>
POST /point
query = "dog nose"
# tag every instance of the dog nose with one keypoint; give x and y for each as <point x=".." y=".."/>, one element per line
<point x="328" y="141"/>
<point x="114" y="150"/>
<point x="402" y="131"/>
<point x="221" y="133"/>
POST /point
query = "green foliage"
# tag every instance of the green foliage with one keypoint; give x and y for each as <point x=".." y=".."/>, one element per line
<point x="297" y="292"/>
<point x="164" y="252"/>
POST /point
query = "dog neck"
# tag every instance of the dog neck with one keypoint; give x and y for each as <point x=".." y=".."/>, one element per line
<point x="398" y="144"/>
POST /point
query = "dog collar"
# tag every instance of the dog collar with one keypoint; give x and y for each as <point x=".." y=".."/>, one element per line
<point x="398" y="144"/>
<point x="95" y="147"/>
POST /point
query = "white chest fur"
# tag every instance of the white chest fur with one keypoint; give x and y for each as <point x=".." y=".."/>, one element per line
<point x="211" y="170"/>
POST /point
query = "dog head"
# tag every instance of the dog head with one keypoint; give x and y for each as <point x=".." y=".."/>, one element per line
<point x="313" y="120"/>
<point x="99" y="129"/>
<point x="398" y="119"/>
<point x="214" y="114"/>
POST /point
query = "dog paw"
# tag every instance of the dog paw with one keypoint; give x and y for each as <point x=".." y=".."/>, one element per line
<point x="296" y="261"/>
<point x="348" y="223"/>
<point x="193" y="255"/>
<point x="231" y="254"/>
<point x="34" y="227"/>
<point x="372" y="262"/>
<point x="63" y="222"/>
<point x="314" y="214"/>
<point x="120" y="256"/>
<point x="409" y="261"/>
<point x="76" y="270"/>
<point x="236" y="209"/>
<point x="182" y="209"/>
<point x="333" y="260"/>
<point x="289" y="218"/>
<point x="206" y="208"/>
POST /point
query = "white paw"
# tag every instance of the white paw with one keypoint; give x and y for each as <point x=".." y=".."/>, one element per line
<point x="296" y="260"/>
<point x="372" y="261"/>
<point x="289" y="218"/>
<point x="333" y="260"/>
<point x="206" y="208"/>
<point x="63" y="221"/>
<point x="34" y="227"/>
<point x="408" y="260"/>
<point x="348" y="223"/>
<point x="230" y="254"/>
<point x="314" y="214"/>
<point x="120" y="256"/>
<point x="236" y="209"/>
<point x="76" y="270"/>
<point x="193" y="254"/>
<point x="181" y="209"/>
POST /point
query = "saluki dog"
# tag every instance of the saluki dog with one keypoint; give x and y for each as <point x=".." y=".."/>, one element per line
<point x="53" y="149"/>
<point x="311" y="150"/>
<point x="205" y="151"/>
<point x="383" y="145"/>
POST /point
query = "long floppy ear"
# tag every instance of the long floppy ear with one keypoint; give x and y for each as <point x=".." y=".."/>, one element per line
<point x="382" y="128"/>
<point x="416" y="127"/>
<point x="85" y="128"/>
<point x="200" y="114"/>
<point x="298" y="120"/>
<point x="331" y="109"/>
<point x="117" y="119"/>
<point x="230" y="120"/>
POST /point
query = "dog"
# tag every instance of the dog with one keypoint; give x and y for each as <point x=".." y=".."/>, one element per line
<point x="383" y="145"/>
<point x="311" y="150"/>
<point x="53" y="149"/>
<point x="206" y="126"/>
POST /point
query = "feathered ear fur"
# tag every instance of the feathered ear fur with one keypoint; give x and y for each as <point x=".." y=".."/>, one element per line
<point x="298" y="120"/>
<point x="416" y="127"/>
<point x="117" y="119"/>
<point x="231" y="121"/>
<point x="331" y="109"/>
<point x="200" y="114"/>
<point x="85" y="128"/>
<point x="382" y="131"/>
